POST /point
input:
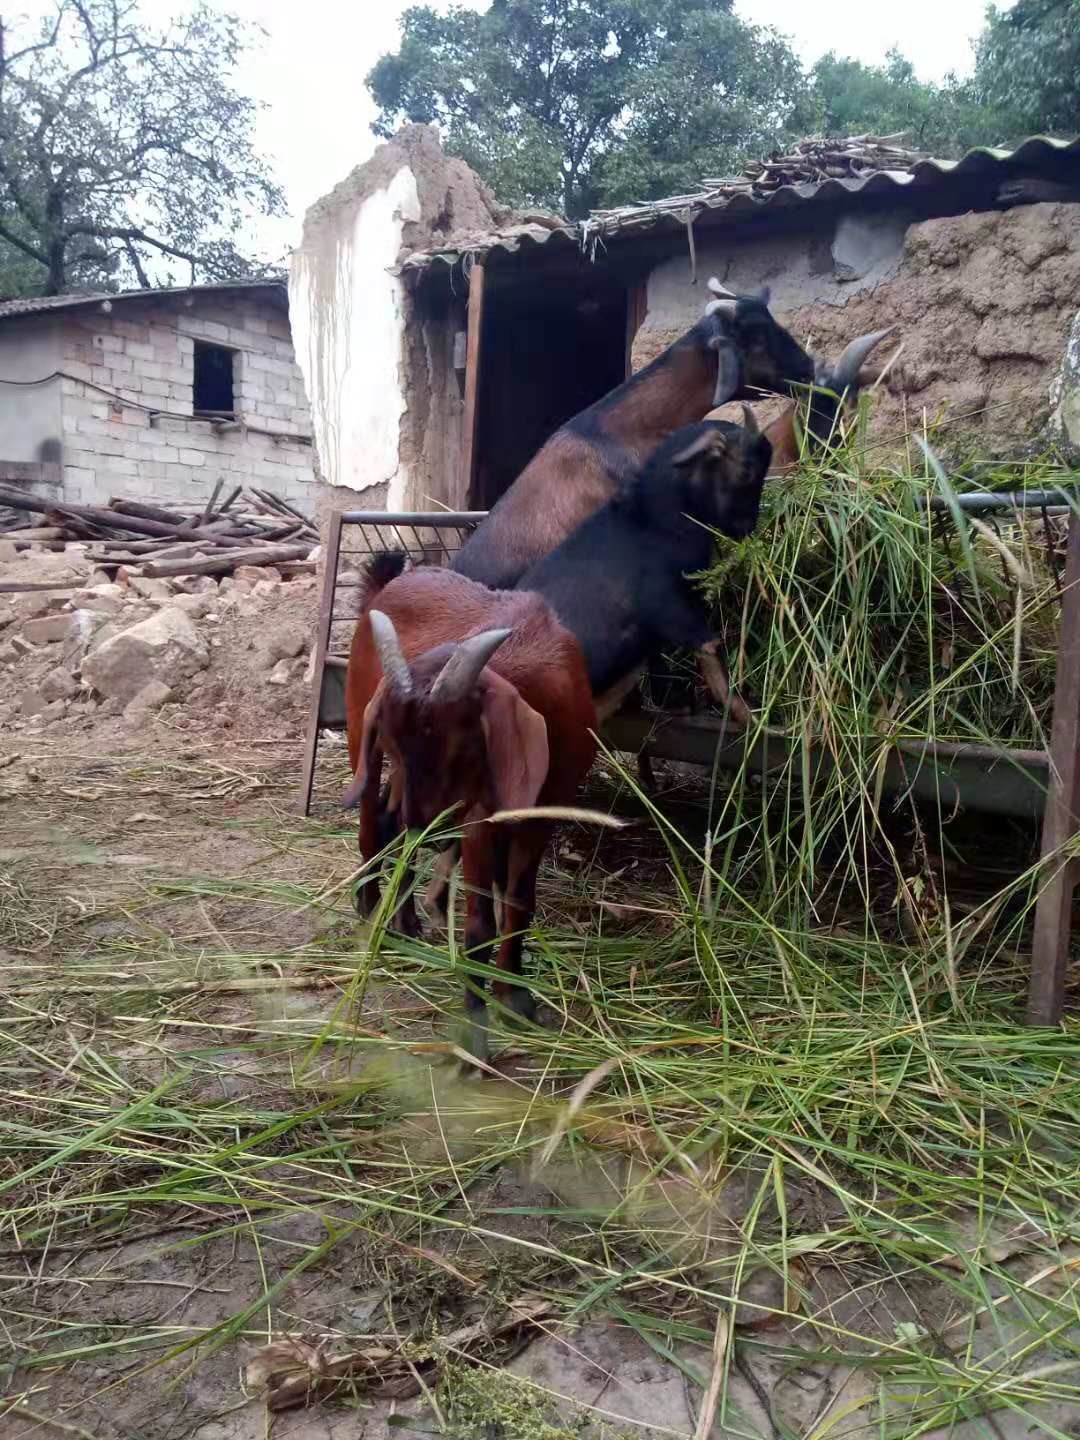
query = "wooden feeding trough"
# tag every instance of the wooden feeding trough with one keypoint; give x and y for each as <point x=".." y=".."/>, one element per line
<point x="1026" y="784"/>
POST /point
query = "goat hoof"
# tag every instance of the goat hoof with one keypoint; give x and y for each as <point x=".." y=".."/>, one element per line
<point x="406" y="924"/>
<point x="439" y="906"/>
<point x="520" y="1001"/>
<point x="473" y="1038"/>
<point x="365" y="898"/>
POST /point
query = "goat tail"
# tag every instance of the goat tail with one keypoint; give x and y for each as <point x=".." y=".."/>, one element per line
<point x="387" y="565"/>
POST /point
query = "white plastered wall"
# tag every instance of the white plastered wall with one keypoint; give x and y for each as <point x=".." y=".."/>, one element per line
<point x="348" y="316"/>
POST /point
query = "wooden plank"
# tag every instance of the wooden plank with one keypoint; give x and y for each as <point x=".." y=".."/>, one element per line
<point x="637" y="307"/>
<point x="1053" y="910"/>
<point x="221" y="564"/>
<point x="14" y="587"/>
<point x="473" y="363"/>
<point x="322" y="649"/>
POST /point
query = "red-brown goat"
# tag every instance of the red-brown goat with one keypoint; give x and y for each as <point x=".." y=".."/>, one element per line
<point x="480" y="701"/>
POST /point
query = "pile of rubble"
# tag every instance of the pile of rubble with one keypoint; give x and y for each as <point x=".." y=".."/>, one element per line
<point x="79" y="644"/>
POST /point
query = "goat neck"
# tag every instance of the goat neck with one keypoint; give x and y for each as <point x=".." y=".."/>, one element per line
<point x="675" y="390"/>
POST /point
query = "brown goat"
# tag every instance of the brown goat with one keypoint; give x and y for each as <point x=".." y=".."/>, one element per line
<point x="480" y="701"/>
<point x="735" y="350"/>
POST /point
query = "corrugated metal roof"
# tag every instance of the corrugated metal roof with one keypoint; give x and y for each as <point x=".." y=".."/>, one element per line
<point x="1051" y="159"/>
<point x="38" y="304"/>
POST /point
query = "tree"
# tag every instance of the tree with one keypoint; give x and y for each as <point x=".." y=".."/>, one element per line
<point x="852" y="98"/>
<point x="575" y="102"/>
<point x="1028" y="66"/>
<point x="124" y="148"/>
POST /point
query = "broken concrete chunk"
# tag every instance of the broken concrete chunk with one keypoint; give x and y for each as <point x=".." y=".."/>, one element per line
<point x="150" y="589"/>
<point x="59" y="684"/>
<point x="8" y="553"/>
<point x="104" y="599"/>
<point x="281" y="673"/>
<point x="33" y="702"/>
<point x="252" y="574"/>
<point x="285" y="643"/>
<point x="37" y="706"/>
<point x="150" y="698"/>
<point x="194" y="605"/>
<point x="166" y="647"/>
<point x="50" y="629"/>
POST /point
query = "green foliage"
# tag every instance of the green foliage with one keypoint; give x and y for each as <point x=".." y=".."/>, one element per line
<point x="1029" y="66"/>
<point x="574" y="104"/>
<point x="851" y="98"/>
<point x="124" y="146"/>
<point x="580" y="103"/>
<point x="482" y="1404"/>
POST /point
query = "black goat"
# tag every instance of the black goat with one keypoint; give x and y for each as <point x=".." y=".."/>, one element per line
<point x="619" y="582"/>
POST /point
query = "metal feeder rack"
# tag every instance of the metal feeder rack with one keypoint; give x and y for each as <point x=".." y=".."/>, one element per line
<point x="1024" y="783"/>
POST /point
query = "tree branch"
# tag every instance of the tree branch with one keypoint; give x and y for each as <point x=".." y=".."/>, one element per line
<point x="23" y="245"/>
<point x="133" y="256"/>
<point x="130" y="234"/>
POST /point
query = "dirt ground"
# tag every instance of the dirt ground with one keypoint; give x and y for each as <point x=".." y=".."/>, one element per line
<point x="137" y="849"/>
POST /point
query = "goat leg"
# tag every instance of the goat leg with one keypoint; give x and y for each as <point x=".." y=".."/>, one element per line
<point x="478" y="861"/>
<point x="437" y="895"/>
<point x="518" y="907"/>
<point x="646" y="773"/>
<point x="377" y="828"/>
<point x="716" y="678"/>
<point x="380" y="825"/>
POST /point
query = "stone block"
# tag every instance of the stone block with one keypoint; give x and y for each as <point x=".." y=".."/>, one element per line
<point x="166" y="647"/>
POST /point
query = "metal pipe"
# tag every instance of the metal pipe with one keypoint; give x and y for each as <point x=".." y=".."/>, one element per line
<point x="977" y="501"/>
<point x="436" y="520"/>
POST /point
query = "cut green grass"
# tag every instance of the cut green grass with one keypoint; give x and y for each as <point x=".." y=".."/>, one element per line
<point x="781" y="1110"/>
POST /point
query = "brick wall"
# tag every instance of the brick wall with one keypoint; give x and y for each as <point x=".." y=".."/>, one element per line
<point x="142" y="354"/>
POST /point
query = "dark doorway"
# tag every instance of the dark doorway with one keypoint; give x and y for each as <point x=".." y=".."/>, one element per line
<point x="549" y="349"/>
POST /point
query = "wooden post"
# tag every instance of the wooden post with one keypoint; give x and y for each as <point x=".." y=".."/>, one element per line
<point x="322" y="646"/>
<point x="637" y="307"/>
<point x="1053" y="910"/>
<point x="467" y="499"/>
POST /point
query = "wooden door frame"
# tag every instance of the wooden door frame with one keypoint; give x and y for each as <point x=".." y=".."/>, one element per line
<point x="473" y="368"/>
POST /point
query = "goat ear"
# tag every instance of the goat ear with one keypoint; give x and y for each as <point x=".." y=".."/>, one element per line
<point x="708" y="440"/>
<point x="370" y="761"/>
<point x="517" y="744"/>
<point x="728" y="369"/>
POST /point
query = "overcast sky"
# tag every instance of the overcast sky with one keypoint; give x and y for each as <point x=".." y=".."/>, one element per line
<point x="310" y="73"/>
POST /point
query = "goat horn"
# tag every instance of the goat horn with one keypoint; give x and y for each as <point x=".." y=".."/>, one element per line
<point x="721" y="290"/>
<point x="721" y="307"/>
<point x="462" y="670"/>
<point x="394" y="665"/>
<point x="750" y="424"/>
<point x="846" y="370"/>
